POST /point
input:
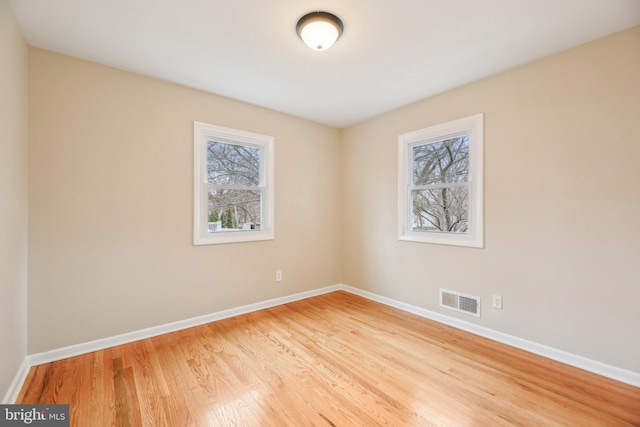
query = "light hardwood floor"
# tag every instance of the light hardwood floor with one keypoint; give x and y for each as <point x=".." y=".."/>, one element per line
<point x="332" y="360"/>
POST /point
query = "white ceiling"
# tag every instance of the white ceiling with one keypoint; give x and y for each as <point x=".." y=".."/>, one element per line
<point x="391" y="53"/>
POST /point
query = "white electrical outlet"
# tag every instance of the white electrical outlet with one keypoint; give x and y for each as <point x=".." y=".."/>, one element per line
<point x="278" y="276"/>
<point x="497" y="302"/>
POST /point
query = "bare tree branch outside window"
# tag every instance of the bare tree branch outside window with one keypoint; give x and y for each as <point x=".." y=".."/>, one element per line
<point x="234" y="198"/>
<point x="440" y="191"/>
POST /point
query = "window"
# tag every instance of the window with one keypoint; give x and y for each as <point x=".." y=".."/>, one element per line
<point x="440" y="184"/>
<point x="233" y="185"/>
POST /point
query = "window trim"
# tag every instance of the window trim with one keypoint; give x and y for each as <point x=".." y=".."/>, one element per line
<point x="471" y="126"/>
<point x="202" y="133"/>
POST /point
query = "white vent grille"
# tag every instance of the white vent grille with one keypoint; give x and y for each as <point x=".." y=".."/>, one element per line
<point x="460" y="302"/>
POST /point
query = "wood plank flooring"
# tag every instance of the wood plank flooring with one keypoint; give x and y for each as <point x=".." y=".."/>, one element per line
<point x="332" y="360"/>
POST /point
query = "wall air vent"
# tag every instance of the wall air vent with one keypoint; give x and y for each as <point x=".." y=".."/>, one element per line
<point x="460" y="302"/>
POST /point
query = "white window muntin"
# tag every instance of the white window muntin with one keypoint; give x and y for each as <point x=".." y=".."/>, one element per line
<point x="203" y="134"/>
<point x="472" y="127"/>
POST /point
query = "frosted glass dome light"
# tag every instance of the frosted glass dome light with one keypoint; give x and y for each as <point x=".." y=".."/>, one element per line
<point x="319" y="30"/>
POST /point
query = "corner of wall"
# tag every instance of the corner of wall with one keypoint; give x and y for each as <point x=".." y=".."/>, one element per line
<point x="14" y="190"/>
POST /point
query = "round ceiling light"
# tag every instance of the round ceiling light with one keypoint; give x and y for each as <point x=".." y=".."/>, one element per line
<point x="319" y="30"/>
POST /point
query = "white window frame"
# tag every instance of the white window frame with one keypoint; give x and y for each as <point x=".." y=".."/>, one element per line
<point x="202" y="134"/>
<point x="471" y="126"/>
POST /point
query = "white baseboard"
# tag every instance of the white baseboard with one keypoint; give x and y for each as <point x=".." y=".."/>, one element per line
<point x="599" y="368"/>
<point x="16" y="384"/>
<point x="78" y="349"/>
<point x="613" y="372"/>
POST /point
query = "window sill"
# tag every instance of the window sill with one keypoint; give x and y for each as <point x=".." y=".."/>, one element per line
<point x="237" y="236"/>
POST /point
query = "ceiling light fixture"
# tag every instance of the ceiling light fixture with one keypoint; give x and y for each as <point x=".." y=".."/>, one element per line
<point x="319" y="30"/>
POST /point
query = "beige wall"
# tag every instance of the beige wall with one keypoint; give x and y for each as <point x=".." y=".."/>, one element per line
<point x="111" y="205"/>
<point x="562" y="203"/>
<point x="13" y="197"/>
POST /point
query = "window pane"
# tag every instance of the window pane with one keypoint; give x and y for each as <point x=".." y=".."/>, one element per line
<point x="440" y="209"/>
<point x="230" y="210"/>
<point x="441" y="162"/>
<point x="232" y="164"/>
